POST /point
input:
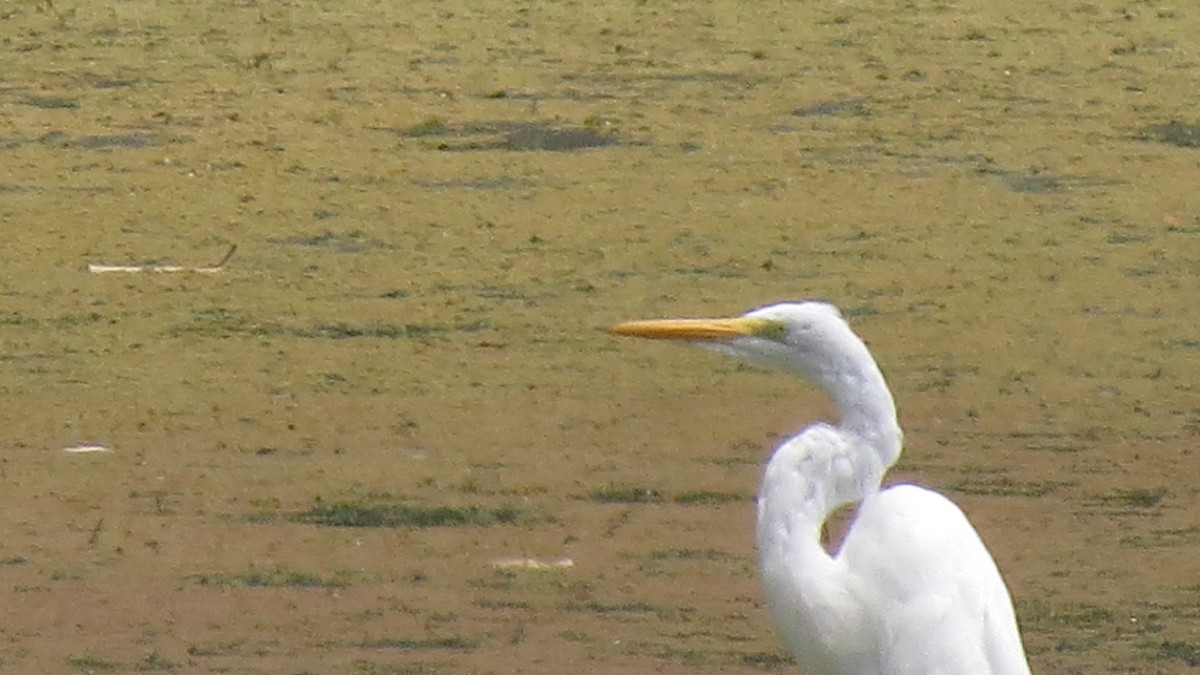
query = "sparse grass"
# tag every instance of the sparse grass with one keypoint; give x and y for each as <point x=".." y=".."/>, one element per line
<point x="638" y="494"/>
<point x="726" y="271"/>
<point x="155" y="662"/>
<point x="349" y="514"/>
<point x="616" y="608"/>
<point x="491" y="292"/>
<point x="768" y="660"/>
<point x="1184" y="651"/>
<point x="341" y="330"/>
<point x="428" y="127"/>
<point x="279" y="576"/>
<point x="513" y="136"/>
<point x="454" y="643"/>
<point x="625" y="494"/>
<point x="354" y="241"/>
<point x="1136" y="498"/>
<point x="364" y="667"/>
<point x="1174" y="536"/>
<point x="688" y="657"/>
<point x="708" y="554"/>
<point x="860" y="310"/>
<point x="94" y="664"/>
<point x="530" y="136"/>
<point x="1126" y="238"/>
<point x="219" y="321"/>
<point x="708" y="497"/>
<point x="217" y="649"/>
<point x="1077" y="644"/>
<point x="1056" y="441"/>
<point x="711" y="658"/>
<point x="51" y="102"/>
<point x="1179" y="134"/>
<point x="1003" y="486"/>
<point x="222" y="322"/>
<point x="17" y="319"/>
<point x="577" y="637"/>
<point x="502" y="605"/>
<point x="941" y="377"/>
<point x="1037" y="616"/>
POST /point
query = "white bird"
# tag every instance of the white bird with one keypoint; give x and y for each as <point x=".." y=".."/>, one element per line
<point x="912" y="590"/>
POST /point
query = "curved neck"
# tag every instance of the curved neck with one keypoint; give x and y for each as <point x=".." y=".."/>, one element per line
<point x="865" y="406"/>
<point x="806" y="479"/>
<point x="866" y="410"/>
<point x="826" y="466"/>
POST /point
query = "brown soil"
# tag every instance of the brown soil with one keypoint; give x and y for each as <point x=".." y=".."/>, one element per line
<point x="436" y="208"/>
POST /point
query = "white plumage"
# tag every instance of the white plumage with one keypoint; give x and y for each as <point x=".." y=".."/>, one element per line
<point x="912" y="590"/>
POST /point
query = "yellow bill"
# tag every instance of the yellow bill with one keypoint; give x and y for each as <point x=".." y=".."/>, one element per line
<point x="699" y="330"/>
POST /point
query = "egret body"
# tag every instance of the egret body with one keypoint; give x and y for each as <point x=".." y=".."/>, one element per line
<point x="912" y="590"/>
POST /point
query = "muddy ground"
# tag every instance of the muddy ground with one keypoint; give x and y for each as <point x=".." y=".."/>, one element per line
<point x="325" y="457"/>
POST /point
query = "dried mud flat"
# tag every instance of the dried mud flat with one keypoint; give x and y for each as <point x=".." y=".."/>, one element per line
<point x="333" y="455"/>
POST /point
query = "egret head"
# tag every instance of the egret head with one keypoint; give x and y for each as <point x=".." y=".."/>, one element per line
<point x="809" y="338"/>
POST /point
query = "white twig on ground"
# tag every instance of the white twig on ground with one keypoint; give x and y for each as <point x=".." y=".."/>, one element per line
<point x="83" y="449"/>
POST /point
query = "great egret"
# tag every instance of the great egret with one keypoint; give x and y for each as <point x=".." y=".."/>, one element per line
<point x="912" y="590"/>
